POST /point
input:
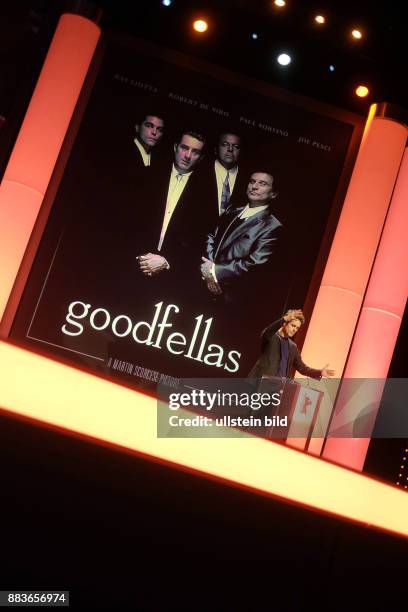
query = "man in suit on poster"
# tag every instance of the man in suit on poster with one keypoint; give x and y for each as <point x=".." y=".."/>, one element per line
<point x="136" y="158"/>
<point x="240" y="248"/>
<point x="149" y="132"/>
<point x="178" y="225"/>
<point x="228" y="183"/>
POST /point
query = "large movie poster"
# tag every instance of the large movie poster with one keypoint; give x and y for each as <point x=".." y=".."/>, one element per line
<point x="190" y="215"/>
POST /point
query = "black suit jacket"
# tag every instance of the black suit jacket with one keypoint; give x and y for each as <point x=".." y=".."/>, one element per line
<point x="268" y="362"/>
<point x="133" y="161"/>
<point x="241" y="250"/>
<point x="184" y="241"/>
<point x="126" y="179"/>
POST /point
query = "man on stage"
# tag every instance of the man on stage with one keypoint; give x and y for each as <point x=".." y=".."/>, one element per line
<point x="280" y="355"/>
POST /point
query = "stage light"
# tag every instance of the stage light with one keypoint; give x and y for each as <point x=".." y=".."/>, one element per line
<point x="254" y="36"/>
<point x="279" y="3"/>
<point x="332" y="68"/>
<point x="284" y="59"/>
<point x="362" y="91"/>
<point x="356" y="34"/>
<point x="320" y="19"/>
<point x="166" y="2"/>
<point x="200" y="25"/>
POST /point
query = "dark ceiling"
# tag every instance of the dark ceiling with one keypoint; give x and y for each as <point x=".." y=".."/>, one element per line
<point x="378" y="59"/>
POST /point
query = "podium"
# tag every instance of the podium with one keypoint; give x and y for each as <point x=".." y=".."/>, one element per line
<point x="299" y="404"/>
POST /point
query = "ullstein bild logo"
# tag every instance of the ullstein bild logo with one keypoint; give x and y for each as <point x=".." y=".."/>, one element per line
<point x="152" y="333"/>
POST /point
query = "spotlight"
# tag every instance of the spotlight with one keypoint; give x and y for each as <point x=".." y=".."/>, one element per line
<point x="284" y="59"/>
<point x="254" y="36"/>
<point x="356" y="34"/>
<point x="332" y="68"/>
<point x="200" y="25"/>
<point x="362" y="91"/>
<point x="166" y="2"/>
<point x="320" y="19"/>
<point x="279" y="3"/>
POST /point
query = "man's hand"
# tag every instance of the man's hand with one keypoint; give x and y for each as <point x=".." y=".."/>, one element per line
<point x="151" y="264"/>
<point x="326" y="371"/>
<point x="292" y="314"/>
<point x="206" y="269"/>
<point x="213" y="287"/>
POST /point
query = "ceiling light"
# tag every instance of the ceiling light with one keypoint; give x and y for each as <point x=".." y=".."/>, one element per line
<point x="284" y="59"/>
<point x="254" y="36"/>
<point x="320" y="19"/>
<point x="362" y="91"/>
<point x="200" y="25"/>
<point x="279" y="3"/>
<point x="356" y="34"/>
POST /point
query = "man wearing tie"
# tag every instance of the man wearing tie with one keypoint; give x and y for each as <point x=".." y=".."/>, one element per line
<point x="223" y="180"/>
<point x="226" y="169"/>
<point x="179" y="228"/>
<point x="240" y="248"/>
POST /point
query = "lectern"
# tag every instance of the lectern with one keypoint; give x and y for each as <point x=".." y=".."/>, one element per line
<point x="299" y="404"/>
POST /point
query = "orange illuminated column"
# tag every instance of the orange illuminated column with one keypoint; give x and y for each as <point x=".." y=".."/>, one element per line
<point x="352" y="254"/>
<point x="38" y="144"/>
<point x="377" y="328"/>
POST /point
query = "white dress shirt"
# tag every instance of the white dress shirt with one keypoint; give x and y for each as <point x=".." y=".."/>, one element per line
<point x="177" y="184"/>
<point x="220" y="174"/>
<point x="145" y="156"/>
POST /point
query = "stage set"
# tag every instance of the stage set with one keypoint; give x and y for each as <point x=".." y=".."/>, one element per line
<point x="81" y="351"/>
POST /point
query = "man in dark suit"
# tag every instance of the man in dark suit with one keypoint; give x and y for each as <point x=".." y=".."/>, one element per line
<point x="279" y="353"/>
<point x="228" y="182"/>
<point x="178" y="226"/>
<point x="149" y="131"/>
<point x="114" y="220"/>
<point x="137" y="158"/>
<point x="240" y="248"/>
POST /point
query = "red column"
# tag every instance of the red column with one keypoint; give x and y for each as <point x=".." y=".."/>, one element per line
<point x="378" y="326"/>
<point x="39" y="141"/>
<point x="352" y="255"/>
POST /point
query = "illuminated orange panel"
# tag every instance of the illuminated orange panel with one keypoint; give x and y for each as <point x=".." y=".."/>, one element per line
<point x="79" y="402"/>
<point x="379" y="322"/>
<point x="39" y="141"/>
<point x="354" y="246"/>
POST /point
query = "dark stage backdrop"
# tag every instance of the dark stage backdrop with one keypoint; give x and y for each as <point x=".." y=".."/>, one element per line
<point x="86" y="300"/>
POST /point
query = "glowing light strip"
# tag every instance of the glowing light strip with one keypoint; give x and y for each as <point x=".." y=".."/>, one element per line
<point x="40" y="138"/>
<point x="79" y="402"/>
